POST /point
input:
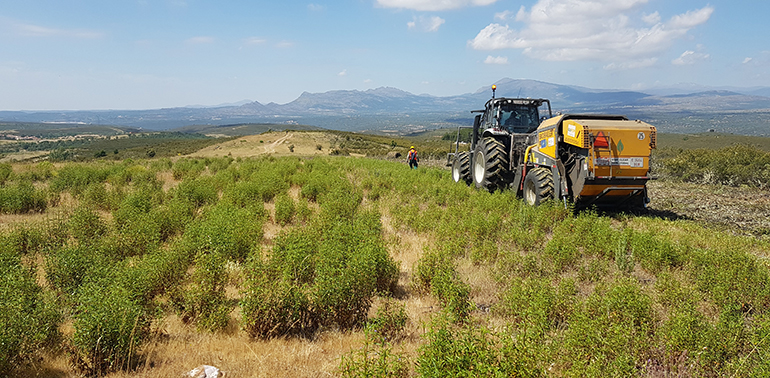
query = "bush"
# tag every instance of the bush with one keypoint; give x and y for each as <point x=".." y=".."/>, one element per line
<point x="274" y="306"/>
<point x="86" y="226"/>
<point x="389" y="322"/>
<point x="374" y="359"/>
<point x="611" y="333"/>
<point x="22" y="198"/>
<point x="110" y="328"/>
<point x="204" y="302"/>
<point x="198" y="192"/>
<point x="28" y="319"/>
<point x="284" y="210"/>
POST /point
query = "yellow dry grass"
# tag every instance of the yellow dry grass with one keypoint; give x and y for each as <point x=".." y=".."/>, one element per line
<point x="272" y="143"/>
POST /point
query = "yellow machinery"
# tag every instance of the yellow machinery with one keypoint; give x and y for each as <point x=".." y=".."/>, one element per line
<point x="590" y="160"/>
<point x="601" y="160"/>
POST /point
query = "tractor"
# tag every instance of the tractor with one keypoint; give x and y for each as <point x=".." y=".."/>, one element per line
<point x="583" y="159"/>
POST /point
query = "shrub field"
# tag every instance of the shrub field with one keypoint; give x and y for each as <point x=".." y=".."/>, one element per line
<point x="430" y="278"/>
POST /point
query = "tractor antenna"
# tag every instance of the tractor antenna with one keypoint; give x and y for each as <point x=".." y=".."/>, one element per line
<point x="494" y="87"/>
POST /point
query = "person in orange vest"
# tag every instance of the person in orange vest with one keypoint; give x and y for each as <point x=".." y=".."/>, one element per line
<point x="412" y="158"/>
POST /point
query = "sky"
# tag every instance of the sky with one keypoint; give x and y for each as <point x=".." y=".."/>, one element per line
<point x="148" y="54"/>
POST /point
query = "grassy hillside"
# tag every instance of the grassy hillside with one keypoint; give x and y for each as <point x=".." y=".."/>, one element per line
<point x="346" y="266"/>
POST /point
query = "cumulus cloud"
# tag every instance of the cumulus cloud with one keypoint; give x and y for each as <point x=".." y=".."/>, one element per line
<point x="690" y="57"/>
<point x="599" y="30"/>
<point x="426" y="24"/>
<point x="747" y="60"/>
<point x="432" y="5"/>
<point x="343" y="73"/>
<point x="496" y="60"/>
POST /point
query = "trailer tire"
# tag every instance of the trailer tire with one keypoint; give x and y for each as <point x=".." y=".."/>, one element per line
<point x="490" y="165"/>
<point x="538" y="186"/>
<point x="461" y="168"/>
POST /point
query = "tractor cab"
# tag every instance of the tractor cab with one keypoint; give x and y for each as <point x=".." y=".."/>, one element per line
<point x="513" y="115"/>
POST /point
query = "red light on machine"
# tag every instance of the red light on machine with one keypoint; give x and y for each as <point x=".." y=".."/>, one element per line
<point x="601" y="140"/>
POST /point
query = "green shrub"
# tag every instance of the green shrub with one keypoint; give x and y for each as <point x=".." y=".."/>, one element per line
<point x="473" y="351"/>
<point x="374" y="359"/>
<point x="204" y="302"/>
<point x="109" y="329"/>
<point x="21" y="198"/>
<point x="389" y="322"/>
<point x="734" y="166"/>
<point x="28" y="319"/>
<point x="610" y="333"/>
<point x="6" y="171"/>
<point x="187" y="168"/>
<point x="274" y="306"/>
<point x="284" y="210"/>
<point x="198" y="192"/>
<point x="225" y="230"/>
<point x="86" y="226"/>
<point x="77" y="177"/>
<point x="68" y="268"/>
<point x="537" y="302"/>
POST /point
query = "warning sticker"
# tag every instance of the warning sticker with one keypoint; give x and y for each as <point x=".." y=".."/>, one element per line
<point x="634" y="162"/>
<point x="571" y="130"/>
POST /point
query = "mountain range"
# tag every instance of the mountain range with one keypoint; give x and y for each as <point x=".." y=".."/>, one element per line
<point x="393" y="110"/>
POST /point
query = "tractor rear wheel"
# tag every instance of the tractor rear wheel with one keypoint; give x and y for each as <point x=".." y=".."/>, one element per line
<point x="461" y="168"/>
<point x="490" y="165"/>
<point x="538" y="186"/>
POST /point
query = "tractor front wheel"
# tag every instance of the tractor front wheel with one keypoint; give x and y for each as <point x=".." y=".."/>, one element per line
<point x="490" y="165"/>
<point x="461" y="168"/>
<point x="538" y="186"/>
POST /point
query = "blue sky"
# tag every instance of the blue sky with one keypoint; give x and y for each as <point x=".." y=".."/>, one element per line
<point x="141" y="54"/>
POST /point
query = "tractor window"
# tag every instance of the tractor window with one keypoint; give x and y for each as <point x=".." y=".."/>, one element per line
<point x="519" y="119"/>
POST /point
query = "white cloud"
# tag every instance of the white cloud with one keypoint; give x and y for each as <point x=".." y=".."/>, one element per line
<point x="367" y="81"/>
<point x="747" y="60"/>
<point x="315" y="7"/>
<point x="343" y="73"/>
<point x="432" y="5"/>
<point x="598" y="30"/>
<point x="690" y="57"/>
<point x="200" y="40"/>
<point x="504" y="15"/>
<point x="426" y="24"/>
<point x="651" y="19"/>
<point x="496" y="60"/>
<point x="284" y="44"/>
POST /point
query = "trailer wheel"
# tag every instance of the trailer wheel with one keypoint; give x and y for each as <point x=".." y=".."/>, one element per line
<point x="461" y="168"/>
<point x="538" y="186"/>
<point x="490" y="165"/>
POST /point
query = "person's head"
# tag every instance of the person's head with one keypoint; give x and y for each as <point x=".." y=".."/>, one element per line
<point x="412" y="148"/>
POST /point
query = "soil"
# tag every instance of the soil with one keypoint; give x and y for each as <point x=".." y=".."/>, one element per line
<point x="741" y="210"/>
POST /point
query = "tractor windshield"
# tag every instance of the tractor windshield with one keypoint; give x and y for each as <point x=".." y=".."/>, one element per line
<point x="519" y="119"/>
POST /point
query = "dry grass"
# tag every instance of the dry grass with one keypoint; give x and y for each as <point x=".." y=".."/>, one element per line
<point x="273" y="143"/>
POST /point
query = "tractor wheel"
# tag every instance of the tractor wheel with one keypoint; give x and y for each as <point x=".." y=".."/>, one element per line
<point x="538" y="186"/>
<point x="490" y="165"/>
<point x="461" y="168"/>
